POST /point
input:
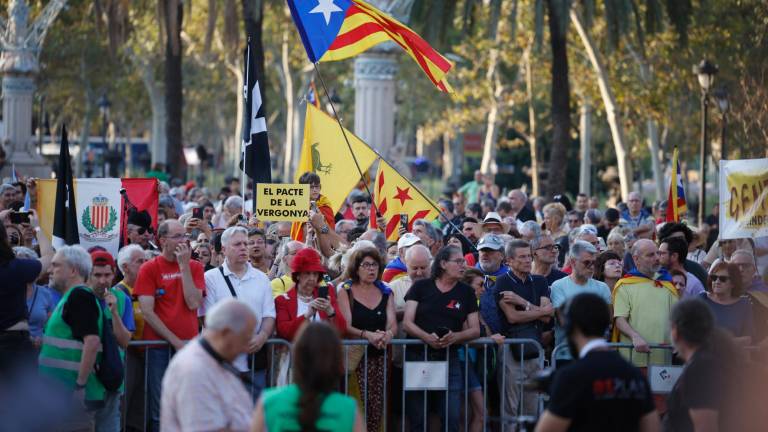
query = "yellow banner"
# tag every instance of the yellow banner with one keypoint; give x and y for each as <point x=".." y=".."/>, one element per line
<point x="282" y="202"/>
<point x="744" y="198"/>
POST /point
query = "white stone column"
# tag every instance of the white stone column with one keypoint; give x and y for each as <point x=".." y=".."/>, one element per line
<point x="375" y="100"/>
<point x="17" y="136"/>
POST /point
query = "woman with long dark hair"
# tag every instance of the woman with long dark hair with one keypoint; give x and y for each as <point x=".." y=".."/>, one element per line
<point x="16" y="348"/>
<point x="312" y="402"/>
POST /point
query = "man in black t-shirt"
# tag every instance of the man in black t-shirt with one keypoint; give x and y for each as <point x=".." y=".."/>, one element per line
<point x="600" y="391"/>
<point x="521" y="322"/>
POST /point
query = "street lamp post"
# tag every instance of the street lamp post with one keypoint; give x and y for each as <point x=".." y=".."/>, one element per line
<point x="721" y="96"/>
<point x="705" y="72"/>
<point x="104" y="104"/>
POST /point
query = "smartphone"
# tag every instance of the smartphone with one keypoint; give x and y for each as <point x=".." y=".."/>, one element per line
<point x="404" y="221"/>
<point x="322" y="291"/>
<point x="19" y="217"/>
<point x="313" y="206"/>
<point x="197" y="212"/>
<point x="195" y="256"/>
<point x="442" y="331"/>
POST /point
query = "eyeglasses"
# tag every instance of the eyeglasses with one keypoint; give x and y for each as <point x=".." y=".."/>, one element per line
<point x="721" y="278"/>
<point x="552" y="247"/>
<point x="588" y="263"/>
<point x="459" y="261"/>
<point x="369" y="265"/>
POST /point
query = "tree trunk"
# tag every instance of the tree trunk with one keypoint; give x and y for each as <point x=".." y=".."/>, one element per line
<point x="611" y="110"/>
<point x="488" y="163"/>
<point x="561" y="103"/>
<point x="585" y="134"/>
<point x="532" y="143"/>
<point x="651" y="127"/>
<point x="289" y="112"/>
<point x="233" y="146"/>
<point x="173" y="16"/>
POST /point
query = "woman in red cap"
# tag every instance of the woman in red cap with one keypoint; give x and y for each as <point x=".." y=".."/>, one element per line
<point x="311" y="298"/>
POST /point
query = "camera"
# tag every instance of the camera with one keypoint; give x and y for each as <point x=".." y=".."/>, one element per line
<point x="197" y="212"/>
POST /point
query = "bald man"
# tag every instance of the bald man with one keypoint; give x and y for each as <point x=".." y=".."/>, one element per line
<point x="642" y="301"/>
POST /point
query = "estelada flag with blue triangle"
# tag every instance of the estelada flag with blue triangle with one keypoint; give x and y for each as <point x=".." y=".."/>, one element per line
<point x="339" y="29"/>
<point x="677" y="207"/>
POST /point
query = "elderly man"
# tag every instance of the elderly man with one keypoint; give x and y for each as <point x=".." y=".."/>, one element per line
<point x="428" y="234"/>
<point x="231" y="209"/>
<point x="237" y="278"/>
<point x="519" y="202"/>
<point x="751" y="279"/>
<point x="114" y="300"/>
<point x="283" y="282"/>
<point x="491" y="263"/>
<point x="641" y="304"/>
<point x="582" y="260"/>
<point x="129" y="260"/>
<point x="522" y="322"/>
<point x="397" y="267"/>
<point x="343" y="227"/>
<point x="201" y="389"/>
<point x="638" y="219"/>
<point x="545" y="253"/>
<point x="170" y="288"/>
<point x="77" y="324"/>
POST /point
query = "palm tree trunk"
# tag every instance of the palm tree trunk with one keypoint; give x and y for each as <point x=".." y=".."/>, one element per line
<point x="173" y="16"/>
<point x="611" y="109"/>
<point x="561" y="102"/>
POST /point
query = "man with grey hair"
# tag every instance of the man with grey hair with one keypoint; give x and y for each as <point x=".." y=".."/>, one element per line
<point x="530" y="230"/>
<point x="343" y="227"/>
<point x="201" y="388"/>
<point x="237" y="278"/>
<point x="72" y="338"/>
<point x="7" y="195"/>
<point x="642" y="302"/>
<point x="745" y="260"/>
<point x="582" y="260"/>
<point x="428" y="235"/>
<point x="545" y="252"/>
<point x="170" y="288"/>
<point x="231" y="209"/>
<point x="520" y="211"/>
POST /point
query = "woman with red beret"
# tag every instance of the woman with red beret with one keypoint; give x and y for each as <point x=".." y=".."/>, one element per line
<point x="311" y="298"/>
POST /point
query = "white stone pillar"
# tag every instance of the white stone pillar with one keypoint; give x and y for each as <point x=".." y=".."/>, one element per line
<point x="375" y="100"/>
<point x="17" y="136"/>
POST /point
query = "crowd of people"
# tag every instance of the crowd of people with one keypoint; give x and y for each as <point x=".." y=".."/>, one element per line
<point x="492" y="265"/>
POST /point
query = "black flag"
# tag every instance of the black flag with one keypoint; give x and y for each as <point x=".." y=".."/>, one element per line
<point x="65" y="213"/>
<point x="256" y="161"/>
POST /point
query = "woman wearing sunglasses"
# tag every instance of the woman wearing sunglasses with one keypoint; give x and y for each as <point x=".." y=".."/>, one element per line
<point x="724" y="297"/>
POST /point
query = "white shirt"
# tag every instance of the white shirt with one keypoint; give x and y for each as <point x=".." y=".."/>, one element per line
<point x="200" y="395"/>
<point x="254" y="289"/>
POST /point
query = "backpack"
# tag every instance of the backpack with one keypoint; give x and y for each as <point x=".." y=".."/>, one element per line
<point x="109" y="369"/>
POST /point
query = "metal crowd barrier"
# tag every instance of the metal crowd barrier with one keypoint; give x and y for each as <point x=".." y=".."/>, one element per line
<point x="628" y="350"/>
<point x="279" y="366"/>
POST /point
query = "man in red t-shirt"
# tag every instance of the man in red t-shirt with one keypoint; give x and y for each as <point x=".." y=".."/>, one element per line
<point x="170" y="289"/>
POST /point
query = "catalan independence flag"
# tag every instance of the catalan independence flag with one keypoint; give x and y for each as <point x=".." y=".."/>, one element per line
<point x="676" y="204"/>
<point x="338" y="29"/>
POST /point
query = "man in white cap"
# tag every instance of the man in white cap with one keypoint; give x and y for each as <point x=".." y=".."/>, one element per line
<point x="397" y="268"/>
<point x="491" y="263"/>
<point x="493" y="223"/>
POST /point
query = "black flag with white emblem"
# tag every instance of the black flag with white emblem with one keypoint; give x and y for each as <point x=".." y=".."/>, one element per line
<point x="256" y="160"/>
<point x="65" y="213"/>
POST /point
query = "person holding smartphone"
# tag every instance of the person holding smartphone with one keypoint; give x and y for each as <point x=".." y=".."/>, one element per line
<point x="442" y="311"/>
<point x="311" y="298"/>
<point x="369" y="309"/>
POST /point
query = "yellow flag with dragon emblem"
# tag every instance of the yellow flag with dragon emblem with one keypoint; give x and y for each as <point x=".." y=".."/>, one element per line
<point x="325" y="153"/>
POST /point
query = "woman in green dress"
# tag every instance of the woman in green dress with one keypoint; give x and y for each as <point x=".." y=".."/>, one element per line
<point x="312" y="402"/>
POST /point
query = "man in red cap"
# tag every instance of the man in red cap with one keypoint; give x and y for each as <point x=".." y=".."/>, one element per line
<point x="120" y="316"/>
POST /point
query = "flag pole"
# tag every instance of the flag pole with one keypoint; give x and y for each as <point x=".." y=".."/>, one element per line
<point x="346" y="139"/>
<point x="243" y="152"/>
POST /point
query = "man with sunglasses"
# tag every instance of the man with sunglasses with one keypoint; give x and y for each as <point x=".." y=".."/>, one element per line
<point x="139" y="229"/>
<point x="170" y="288"/>
<point x="545" y="252"/>
<point x="582" y="259"/>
